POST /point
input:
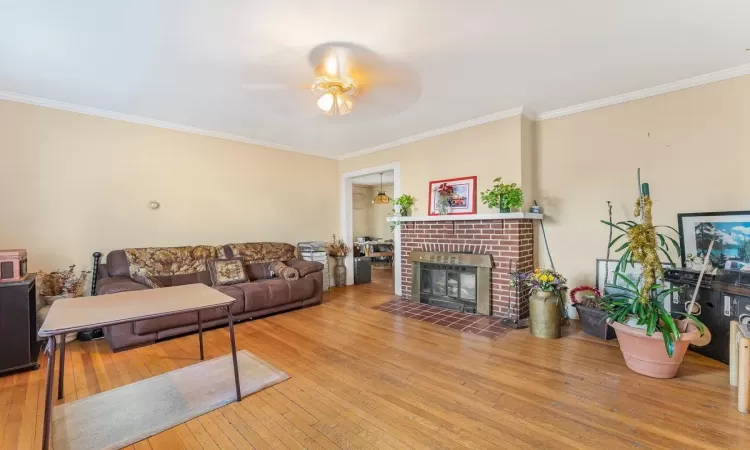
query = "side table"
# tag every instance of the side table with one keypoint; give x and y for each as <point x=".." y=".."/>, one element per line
<point x="18" y="325"/>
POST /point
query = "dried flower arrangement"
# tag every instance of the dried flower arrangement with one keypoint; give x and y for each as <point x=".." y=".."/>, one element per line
<point x="62" y="282"/>
<point x="338" y="248"/>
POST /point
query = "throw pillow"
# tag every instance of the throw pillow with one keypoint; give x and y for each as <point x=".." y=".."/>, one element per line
<point x="151" y="282"/>
<point x="281" y="270"/>
<point x="226" y="271"/>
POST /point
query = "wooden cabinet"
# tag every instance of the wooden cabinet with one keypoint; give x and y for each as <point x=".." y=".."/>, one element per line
<point x="20" y="349"/>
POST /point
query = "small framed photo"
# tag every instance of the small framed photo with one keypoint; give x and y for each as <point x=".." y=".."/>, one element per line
<point x="461" y="197"/>
<point x="730" y="232"/>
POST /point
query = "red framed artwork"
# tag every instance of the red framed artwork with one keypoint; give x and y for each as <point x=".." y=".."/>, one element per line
<point x="461" y="196"/>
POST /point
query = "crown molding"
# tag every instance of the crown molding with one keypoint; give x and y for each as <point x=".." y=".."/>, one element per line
<point x="54" y="104"/>
<point x="436" y="132"/>
<point x="700" y="80"/>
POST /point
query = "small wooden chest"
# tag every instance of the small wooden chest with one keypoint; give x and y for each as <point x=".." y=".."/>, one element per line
<point x="12" y="265"/>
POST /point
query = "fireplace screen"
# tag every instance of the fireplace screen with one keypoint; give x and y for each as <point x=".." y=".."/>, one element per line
<point x="453" y="287"/>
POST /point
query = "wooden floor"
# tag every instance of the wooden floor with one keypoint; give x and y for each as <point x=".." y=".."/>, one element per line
<point x="367" y="379"/>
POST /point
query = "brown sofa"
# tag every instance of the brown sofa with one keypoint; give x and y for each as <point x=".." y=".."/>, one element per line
<point x="174" y="266"/>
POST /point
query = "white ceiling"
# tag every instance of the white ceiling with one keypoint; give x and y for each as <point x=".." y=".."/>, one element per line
<point x="181" y="63"/>
<point x="373" y="179"/>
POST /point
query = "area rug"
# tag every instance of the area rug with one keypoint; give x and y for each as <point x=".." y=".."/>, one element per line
<point x="131" y="413"/>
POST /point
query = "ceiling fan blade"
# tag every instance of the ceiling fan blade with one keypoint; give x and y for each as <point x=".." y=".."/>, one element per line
<point x="265" y="87"/>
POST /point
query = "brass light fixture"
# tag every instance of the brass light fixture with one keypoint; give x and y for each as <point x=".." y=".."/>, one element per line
<point x="381" y="198"/>
<point x="334" y="84"/>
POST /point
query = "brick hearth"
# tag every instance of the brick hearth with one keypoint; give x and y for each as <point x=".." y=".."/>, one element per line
<point x="505" y="240"/>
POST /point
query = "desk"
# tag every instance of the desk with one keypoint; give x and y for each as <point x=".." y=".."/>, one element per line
<point x="86" y="313"/>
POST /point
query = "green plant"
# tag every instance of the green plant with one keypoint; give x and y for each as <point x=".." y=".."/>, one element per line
<point x="404" y="204"/>
<point x="640" y="243"/>
<point x="503" y="196"/>
<point x="642" y="300"/>
<point x="629" y="303"/>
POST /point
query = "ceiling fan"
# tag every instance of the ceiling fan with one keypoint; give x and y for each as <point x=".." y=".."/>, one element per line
<point x="340" y="75"/>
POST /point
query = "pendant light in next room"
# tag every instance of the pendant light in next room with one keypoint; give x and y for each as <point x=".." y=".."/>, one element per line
<point x="381" y="198"/>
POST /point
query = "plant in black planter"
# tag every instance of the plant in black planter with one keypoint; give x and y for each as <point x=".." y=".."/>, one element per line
<point x="503" y="196"/>
<point x="590" y="306"/>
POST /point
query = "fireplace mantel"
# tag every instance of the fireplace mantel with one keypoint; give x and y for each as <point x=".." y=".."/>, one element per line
<point x="462" y="217"/>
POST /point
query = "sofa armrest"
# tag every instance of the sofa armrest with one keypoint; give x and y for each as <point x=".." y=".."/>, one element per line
<point x="305" y="267"/>
<point x="111" y="285"/>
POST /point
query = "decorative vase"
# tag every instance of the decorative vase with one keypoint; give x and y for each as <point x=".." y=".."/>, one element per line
<point x="646" y="354"/>
<point x="405" y="212"/>
<point x="443" y="205"/>
<point x="544" y="315"/>
<point x="594" y="323"/>
<point x="339" y="272"/>
<point x="504" y="209"/>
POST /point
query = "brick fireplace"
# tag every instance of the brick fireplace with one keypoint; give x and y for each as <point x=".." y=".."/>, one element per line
<point x="508" y="240"/>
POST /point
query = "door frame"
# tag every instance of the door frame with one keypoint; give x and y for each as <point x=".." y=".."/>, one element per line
<point x="347" y="225"/>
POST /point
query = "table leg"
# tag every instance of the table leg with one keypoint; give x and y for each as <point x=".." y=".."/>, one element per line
<point x="234" y="354"/>
<point x="200" y="333"/>
<point x="61" y="382"/>
<point x="734" y="352"/>
<point x="48" y="399"/>
<point x="743" y="381"/>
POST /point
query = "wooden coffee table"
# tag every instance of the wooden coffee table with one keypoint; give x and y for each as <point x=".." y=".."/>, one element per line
<point x="86" y="313"/>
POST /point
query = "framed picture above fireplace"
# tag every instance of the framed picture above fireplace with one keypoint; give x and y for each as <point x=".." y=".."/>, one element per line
<point x="462" y="200"/>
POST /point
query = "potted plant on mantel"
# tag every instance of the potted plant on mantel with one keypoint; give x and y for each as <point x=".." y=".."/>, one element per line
<point x="591" y="310"/>
<point x="503" y="196"/>
<point x="652" y="342"/>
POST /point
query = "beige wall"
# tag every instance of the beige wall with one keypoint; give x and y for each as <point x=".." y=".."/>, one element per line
<point x="693" y="148"/>
<point x="361" y="210"/>
<point x="487" y="151"/>
<point x="81" y="184"/>
<point x="370" y="219"/>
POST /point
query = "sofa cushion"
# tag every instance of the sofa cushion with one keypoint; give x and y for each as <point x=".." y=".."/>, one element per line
<point x="238" y="307"/>
<point x="269" y="293"/>
<point x="252" y="252"/>
<point x="168" y="261"/>
<point x="258" y="271"/>
<point x="177" y="320"/>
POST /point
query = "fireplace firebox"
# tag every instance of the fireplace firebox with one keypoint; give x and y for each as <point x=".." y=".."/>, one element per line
<point x="452" y="287"/>
<point x="457" y="281"/>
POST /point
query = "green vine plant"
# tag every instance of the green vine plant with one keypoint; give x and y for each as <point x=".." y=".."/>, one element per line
<point x="401" y="208"/>
<point x="404" y="204"/>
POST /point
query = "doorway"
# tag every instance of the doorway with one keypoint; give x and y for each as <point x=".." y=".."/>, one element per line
<point x="365" y="229"/>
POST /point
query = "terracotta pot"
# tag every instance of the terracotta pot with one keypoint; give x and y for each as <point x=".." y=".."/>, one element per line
<point x="646" y="354"/>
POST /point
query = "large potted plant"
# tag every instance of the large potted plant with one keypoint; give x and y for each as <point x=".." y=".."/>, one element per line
<point x="652" y="342"/>
<point x="545" y="302"/>
<point x="591" y="310"/>
<point x="503" y="196"/>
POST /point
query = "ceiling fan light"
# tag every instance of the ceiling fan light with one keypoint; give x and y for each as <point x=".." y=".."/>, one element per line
<point x="344" y="103"/>
<point x="325" y="102"/>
